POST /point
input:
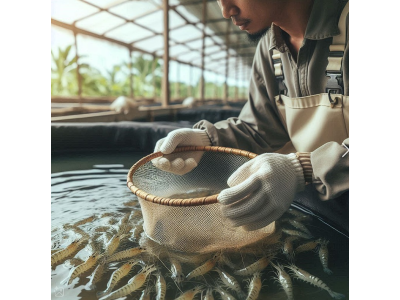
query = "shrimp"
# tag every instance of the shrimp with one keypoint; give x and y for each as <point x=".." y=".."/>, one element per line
<point x="284" y="279"/>
<point x="258" y="266"/>
<point x="114" y="242"/>
<point x="224" y="294"/>
<point x="86" y="266"/>
<point x="137" y="230"/>
<point x="323" y="256"/>
<point x="107" y="214"/>
<point x="129" y="253"/>
<point x="131" y="203"/>
<point x="79" y="231"/>
<point x="116" y="276"/>
<point x="123" y="223"/>
<point x="287" y="248"/>
<point x="204" y="268"/>
<point x="70" y="250"/>
<point x="254" y="287"/>
<point x="124" y="219"/>
<point x="145" y="294"/>
<point x="307" y="246"/>
<point x="97" y="274"/>
<point x="226" y="261"/>
<point x="161" y="287"/>
<point x="102" y="229"/>
<point x="135" y="215"/>
<point x="176" y="271"/>
<point x="209" y="295"/>
<point x="73" y="262"/>
<point x="273" y="238"/>
<point x="189" y="295"/>
<point x="135" y="283"/>
<point x="313" y="280"/>
<point x="112" y="221"/>
<point x="230" y="282"/>
<point x="296" y="213"/>
<point x="297" y="233"/>
<point x="300" y="226"/>
<point x="95" y="245"/>
<point x="305" y="218"/>
<point x="55" y="250"/>
<point x="84" y="221"/>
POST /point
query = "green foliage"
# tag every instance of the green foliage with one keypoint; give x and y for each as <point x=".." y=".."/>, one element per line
<point x="116" y="82"/>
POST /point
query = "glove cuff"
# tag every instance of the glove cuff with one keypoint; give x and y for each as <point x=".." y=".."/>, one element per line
<point x="305" y="161"/>
<point x="204" y="138"/>
<point x="298" y="169"/>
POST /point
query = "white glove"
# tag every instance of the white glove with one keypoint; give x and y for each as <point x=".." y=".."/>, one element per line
<point x="180" y="163"/>
<point x="261" y="190"/>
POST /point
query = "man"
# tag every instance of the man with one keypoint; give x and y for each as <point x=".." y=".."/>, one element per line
<point x="296" y="116"/>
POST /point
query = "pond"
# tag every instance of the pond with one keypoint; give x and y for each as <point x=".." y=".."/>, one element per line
<point x="90" y="199"/>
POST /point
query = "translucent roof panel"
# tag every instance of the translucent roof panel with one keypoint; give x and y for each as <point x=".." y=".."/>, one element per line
<point x="212" y="49"/>
<point x="175" y="20"/>
<point x="106" y="3"/>
<point x="217" y="39"/>
<point x="153" y="21"/>
<point x="61" y="37"/>
<point x="129" y="33"/>
<point x="105" y="58"/>
<point x="100" y="23"/>
<point x="69" y="11"/>
<point x="197" y="44"/>
<point x="209" y="41"/>
<point x="207" y="30"/>
<point x="189" y="57"/>
<point x="174" y="51"/>
<point x="171" y="2"/>
<point x="132" y="9"/>
<point x="185" y="33"/>
<point x="140" y="23"/>
<point x="151" y="44"/>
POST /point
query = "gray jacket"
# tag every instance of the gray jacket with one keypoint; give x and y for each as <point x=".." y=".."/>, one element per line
<point x="258" y="128"/>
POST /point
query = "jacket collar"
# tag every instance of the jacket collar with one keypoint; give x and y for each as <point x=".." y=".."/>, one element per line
<point x="322" y="24"/>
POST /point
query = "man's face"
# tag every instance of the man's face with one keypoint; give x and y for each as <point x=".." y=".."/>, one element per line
<point x="253" y="16"/>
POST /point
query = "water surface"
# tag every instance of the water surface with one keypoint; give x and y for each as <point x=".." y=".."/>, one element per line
<point x="78" y="194"/>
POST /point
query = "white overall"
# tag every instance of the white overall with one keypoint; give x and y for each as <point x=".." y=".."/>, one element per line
<point x="314" y="120"/>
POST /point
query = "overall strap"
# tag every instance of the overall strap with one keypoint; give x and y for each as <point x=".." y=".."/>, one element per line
<point x="276" y="57"/>
<point x="334" y="71"/>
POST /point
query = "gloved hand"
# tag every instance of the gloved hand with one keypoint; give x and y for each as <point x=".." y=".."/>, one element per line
<point x="261" y="190"/>
<point x="180" y="163"/>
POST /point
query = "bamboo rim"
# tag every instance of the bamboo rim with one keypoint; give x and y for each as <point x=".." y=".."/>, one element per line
<point x="180" y="202"/>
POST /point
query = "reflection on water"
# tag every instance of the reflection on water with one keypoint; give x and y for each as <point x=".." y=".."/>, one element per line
<point x="96" y="205"/>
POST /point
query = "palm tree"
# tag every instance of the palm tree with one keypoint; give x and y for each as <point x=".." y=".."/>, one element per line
<point x="142" y="71"/>
<point x="62" y="71"/>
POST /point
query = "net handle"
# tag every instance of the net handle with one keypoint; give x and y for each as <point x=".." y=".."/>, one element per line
<point x="180" y="202"/>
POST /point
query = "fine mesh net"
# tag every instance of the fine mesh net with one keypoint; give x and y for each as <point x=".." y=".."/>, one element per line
<point x="199" y="228"/>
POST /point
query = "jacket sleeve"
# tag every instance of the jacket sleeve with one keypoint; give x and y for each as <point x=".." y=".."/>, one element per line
<point x="330" y="164"/>
<point x="258" y="128"/>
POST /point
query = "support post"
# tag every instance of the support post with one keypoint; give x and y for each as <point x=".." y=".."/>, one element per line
<point x="166" y="90"/>
<point x="153" y="77"/>
<point x="236" y="80"/>
<point x="203" y="46"/>
<point x="177" y="83"/>
<point x="226" y="91"/>
<point x="131" y="93"/>
<point x="78" y="74"/>
<point x="215" y="87"/>
<point x="190" y="88"/>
